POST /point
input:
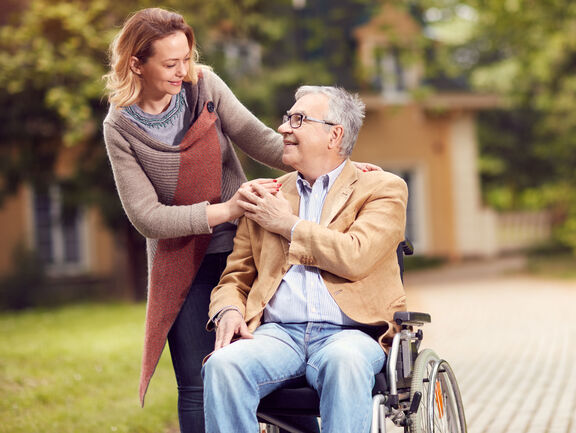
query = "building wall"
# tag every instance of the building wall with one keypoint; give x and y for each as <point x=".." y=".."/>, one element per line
<point x="406" y="138"/>
<point x="104" y="251"/>
<point x="101" y="253"/>
<point x="13" y="228"/>
<point x="475" y="228"/>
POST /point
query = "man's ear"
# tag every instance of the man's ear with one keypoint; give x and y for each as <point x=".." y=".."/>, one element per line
<point x="336" y="135"/>
<point x="135" y="65"/>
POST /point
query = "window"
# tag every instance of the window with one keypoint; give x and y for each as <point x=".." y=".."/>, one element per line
<point x="241" y="57"/>
<point x="417" y="208"/>
<point x="394" y="77"/>
<point x="57" y="231"/>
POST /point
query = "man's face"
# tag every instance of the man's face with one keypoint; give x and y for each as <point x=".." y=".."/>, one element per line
<point x="306" y="146"/>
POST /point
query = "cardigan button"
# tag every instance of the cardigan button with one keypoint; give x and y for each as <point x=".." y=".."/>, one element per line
<point x="210" y="106"/>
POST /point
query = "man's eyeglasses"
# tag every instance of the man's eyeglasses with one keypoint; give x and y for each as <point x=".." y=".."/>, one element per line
<point x="296" y="120"/>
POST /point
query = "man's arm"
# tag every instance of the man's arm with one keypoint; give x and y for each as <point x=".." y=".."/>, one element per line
<point x="228" y="299"/>
<point x="352" y="251"/>
<point x="353" y="243"/>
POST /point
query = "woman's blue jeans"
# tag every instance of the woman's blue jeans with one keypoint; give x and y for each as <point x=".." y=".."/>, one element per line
<point x="189" y="343"/>
<point x="339" y="362"/>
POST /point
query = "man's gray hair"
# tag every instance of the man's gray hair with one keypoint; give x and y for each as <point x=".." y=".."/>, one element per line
<point x="344" y="109"/>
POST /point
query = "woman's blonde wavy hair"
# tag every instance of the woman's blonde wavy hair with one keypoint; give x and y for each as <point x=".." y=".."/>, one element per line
<point x="139" y="32"/>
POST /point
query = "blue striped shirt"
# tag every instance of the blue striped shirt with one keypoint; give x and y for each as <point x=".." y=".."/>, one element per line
<point x="302" y="295"/>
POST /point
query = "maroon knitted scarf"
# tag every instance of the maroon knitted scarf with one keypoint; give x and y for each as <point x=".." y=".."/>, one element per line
<point x="177" y="260"/>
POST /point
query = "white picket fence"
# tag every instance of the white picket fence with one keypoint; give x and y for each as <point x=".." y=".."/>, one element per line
<point x="521" y="230"/>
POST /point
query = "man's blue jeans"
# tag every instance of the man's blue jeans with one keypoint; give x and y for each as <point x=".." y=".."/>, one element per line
<point x="339" y="362"/>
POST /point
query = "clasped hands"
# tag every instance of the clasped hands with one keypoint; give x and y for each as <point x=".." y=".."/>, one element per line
<point x="269" y="209"/>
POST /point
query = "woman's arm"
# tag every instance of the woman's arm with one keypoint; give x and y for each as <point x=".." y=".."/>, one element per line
<point x="246" y="131"/>
<point x="140" y="201"/>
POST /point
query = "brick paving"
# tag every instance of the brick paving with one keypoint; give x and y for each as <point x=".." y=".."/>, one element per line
<point x="511" y="340"/>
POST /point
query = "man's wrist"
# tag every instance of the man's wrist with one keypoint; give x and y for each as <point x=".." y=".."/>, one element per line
<point x="294" y="227"/>
<point x="218" y="317"/>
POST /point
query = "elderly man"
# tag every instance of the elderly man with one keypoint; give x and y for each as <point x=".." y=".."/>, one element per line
<point x="313" y="281"/>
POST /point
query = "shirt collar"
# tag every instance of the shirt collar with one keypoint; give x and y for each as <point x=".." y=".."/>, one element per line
<point x="327" y="180"/>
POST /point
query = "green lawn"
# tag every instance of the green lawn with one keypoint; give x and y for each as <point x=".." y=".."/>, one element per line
<point x="552" y="265"/>
<point x="75" y="370"/>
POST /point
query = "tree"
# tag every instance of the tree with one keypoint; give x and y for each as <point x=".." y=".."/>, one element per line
<point x="537" y="51"/>
<point x="53" y="54"/>
<point x="526" y="51"/>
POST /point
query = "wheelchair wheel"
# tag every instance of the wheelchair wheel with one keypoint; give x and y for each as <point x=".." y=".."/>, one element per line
<point x="441" y="409"/>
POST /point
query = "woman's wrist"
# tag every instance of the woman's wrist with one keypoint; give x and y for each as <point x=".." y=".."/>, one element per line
<point x="219" y="213"/>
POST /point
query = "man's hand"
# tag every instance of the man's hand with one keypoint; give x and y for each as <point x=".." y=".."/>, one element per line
<point x="234" y="209"/>
<point x="231" y="323"/>
<point x="272" y="212"/>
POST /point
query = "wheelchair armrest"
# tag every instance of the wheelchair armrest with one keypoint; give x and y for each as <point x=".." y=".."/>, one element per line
<point x="411" y="318"/>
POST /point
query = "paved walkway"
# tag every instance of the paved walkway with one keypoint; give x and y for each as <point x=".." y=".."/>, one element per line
<point x="511" y="340"/>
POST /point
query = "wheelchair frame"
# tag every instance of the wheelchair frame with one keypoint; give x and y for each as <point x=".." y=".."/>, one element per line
<point x="423" y="394"/>
<point x="418" y="392"/>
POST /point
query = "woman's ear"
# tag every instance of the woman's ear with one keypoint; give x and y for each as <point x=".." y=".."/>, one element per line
<point x="135" y="65"/>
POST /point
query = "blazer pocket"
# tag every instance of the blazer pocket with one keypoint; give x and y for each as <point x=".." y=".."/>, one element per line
<point x="344" y="219"/>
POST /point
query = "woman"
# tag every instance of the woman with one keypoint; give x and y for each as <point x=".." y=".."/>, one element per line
<point x="168" y="134"/>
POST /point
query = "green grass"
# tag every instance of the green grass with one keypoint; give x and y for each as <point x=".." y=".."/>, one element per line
<point x="553" y="265"/>
<point x="76" y="370"/>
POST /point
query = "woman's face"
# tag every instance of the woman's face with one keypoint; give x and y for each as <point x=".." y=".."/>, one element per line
<point x="163" y="72"/>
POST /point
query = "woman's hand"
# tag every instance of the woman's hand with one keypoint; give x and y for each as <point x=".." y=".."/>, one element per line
<point x="267" y="186"/>
<point x="230" y="210"/>
<point x="366" y="166"/>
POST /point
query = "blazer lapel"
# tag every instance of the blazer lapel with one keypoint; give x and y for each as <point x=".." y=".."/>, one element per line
<point x="290" y="191"/>
<point x="339" y="193"/>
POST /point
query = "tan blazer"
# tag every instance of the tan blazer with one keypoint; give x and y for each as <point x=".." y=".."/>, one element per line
<point x="362" y="223"/>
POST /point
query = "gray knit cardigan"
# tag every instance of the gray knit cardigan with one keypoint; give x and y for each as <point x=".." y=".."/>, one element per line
<point x="146" y="174"/>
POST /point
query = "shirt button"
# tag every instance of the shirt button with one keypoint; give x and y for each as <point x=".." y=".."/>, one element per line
<point x="210" y="106"/>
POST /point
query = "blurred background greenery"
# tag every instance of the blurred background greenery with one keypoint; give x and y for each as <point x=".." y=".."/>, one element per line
<point x="74" y="368"/>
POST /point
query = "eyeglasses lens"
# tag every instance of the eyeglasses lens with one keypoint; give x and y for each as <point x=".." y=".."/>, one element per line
<point x="296" y="120"/>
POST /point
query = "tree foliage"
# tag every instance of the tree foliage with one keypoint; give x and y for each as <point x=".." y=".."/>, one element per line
<point x="53" y="54"/>
<point x="524" y="50"/>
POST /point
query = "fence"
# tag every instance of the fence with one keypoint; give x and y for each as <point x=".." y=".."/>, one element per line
<point x="520" y="230"/>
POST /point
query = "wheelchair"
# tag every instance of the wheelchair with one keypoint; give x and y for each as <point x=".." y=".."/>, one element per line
<point x="416" y="390"/>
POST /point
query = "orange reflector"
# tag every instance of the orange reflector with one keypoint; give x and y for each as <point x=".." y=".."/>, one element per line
<point x="439" y="399"/>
